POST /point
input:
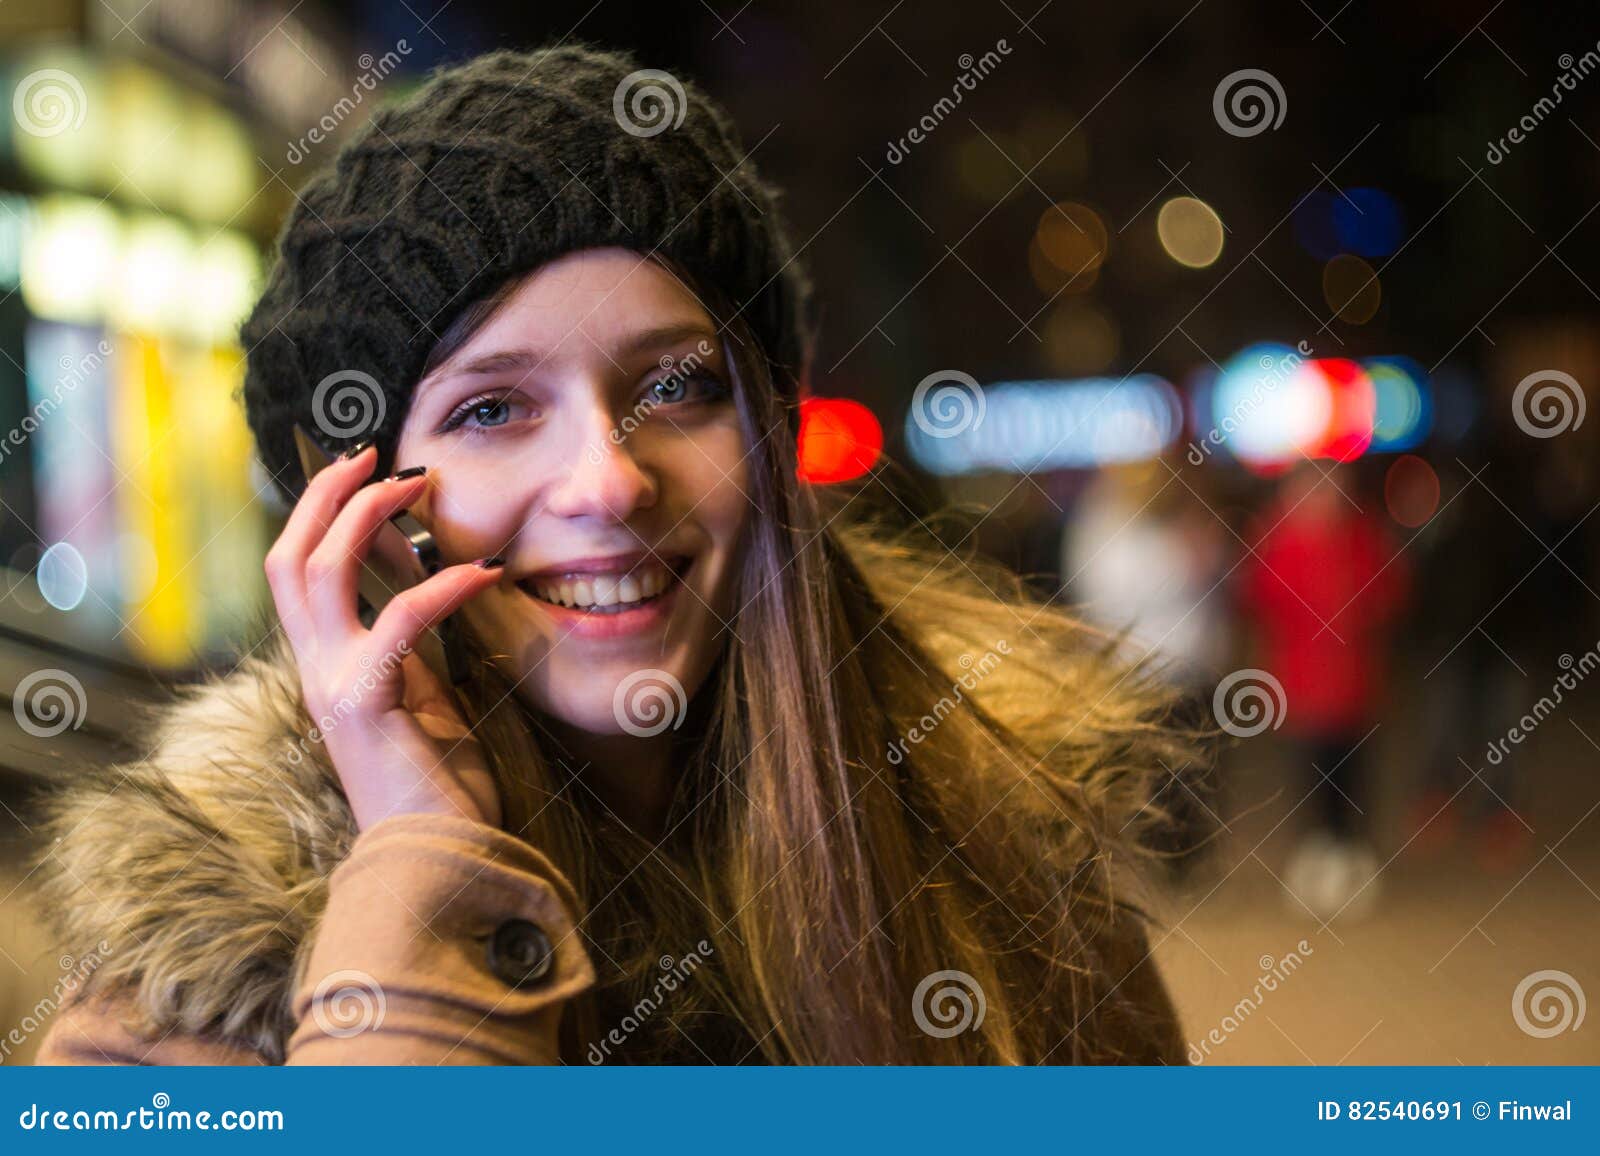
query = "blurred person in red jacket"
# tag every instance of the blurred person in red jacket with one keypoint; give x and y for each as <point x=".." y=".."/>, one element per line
<point x="1324" y="581"/>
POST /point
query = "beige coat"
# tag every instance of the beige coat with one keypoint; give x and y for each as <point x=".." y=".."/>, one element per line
<point x="233" y="915"/>
<point x="242" y="921"/>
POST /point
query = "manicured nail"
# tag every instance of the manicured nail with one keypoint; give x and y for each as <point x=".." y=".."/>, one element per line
<point x="352" y="451"/>
<point x="491" y="563"/>
<point x="408" y="472"/>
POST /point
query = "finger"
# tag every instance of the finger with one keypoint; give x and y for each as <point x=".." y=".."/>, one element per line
<point x="427" y="697"/>
<point x="425" y="605"/>
<point x="333" y="569"/>
<point x="310" y="518"/>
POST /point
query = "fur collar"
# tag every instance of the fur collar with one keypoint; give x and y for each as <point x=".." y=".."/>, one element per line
<point x="203" y="864"/>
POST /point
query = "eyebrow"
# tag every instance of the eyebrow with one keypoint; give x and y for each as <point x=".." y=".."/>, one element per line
<point x="527" y="358"/>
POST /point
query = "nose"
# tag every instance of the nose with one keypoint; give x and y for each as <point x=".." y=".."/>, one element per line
<point x="602" y="477"/>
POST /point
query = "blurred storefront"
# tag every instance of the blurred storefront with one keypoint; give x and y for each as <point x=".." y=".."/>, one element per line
<point x="138" y="200"/>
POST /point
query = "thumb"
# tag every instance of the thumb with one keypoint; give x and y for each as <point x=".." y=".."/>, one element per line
<point x="430" y="700"/>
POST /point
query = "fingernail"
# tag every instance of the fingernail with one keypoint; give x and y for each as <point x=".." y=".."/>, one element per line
<point x="408" y="472"/>
<point x="352" y="451"/>
<point x="491" y="563"/>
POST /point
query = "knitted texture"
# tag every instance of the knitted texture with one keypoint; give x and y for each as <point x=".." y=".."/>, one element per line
<point x="490" y="169"/>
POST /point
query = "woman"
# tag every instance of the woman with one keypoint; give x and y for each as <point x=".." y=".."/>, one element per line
<point x="728" y="780"/>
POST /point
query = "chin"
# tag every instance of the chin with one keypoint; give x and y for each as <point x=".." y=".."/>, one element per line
<point x="618" y="698"/>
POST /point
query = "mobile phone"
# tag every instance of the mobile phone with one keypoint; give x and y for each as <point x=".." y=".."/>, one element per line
<point x="403" y="553"/>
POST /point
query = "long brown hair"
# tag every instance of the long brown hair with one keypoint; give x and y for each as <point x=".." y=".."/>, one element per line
<point x="903" y="801"/>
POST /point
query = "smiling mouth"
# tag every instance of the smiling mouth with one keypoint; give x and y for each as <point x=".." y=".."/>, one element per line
<point x="608" y="592"/>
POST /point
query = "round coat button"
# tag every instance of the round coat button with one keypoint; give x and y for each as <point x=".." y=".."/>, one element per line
<point x="520" y="952"/>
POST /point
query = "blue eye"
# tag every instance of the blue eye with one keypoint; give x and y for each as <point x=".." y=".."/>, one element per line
<point x="484" y="411"/>
<point x="675" y="389"/>
<point x="489" y="407"/>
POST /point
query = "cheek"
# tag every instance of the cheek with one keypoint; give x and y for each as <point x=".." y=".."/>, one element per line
<point x="471" y="510"/>
<point x="709" y="484"/>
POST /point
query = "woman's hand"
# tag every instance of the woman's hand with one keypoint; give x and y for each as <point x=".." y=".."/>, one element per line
<point x="393" y="731"/>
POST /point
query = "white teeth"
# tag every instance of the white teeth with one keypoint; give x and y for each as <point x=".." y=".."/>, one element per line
<point x="596" y="590"/>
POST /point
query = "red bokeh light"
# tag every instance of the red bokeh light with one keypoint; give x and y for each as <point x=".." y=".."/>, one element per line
<point x="840" y="440"/>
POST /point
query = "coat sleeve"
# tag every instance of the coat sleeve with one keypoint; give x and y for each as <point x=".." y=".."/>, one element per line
<point x="444" y="941"/>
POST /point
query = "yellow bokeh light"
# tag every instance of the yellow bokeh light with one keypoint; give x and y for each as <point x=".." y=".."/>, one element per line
<point x="1052" y="280"/>
<point x="1350" y="287"/>
<point x="1072" y="237"/>
<point x="1190" y="232"/>
<point x="1080" y="339"/>
<point x="69" y="258"/>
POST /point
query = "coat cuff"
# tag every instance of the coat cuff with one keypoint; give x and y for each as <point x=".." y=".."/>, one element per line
<point x="423" y="953"/>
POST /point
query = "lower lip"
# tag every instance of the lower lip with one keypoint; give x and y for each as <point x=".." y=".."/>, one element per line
<point x="576" y="623"/>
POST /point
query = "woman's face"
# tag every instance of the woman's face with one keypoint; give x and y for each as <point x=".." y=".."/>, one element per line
<point x="588" y="435"/>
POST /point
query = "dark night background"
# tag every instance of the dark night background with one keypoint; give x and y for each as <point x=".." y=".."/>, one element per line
<point x="1490" y="871"/>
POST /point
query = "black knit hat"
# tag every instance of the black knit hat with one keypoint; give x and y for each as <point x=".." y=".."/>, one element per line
<point x="490" y="169"/>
